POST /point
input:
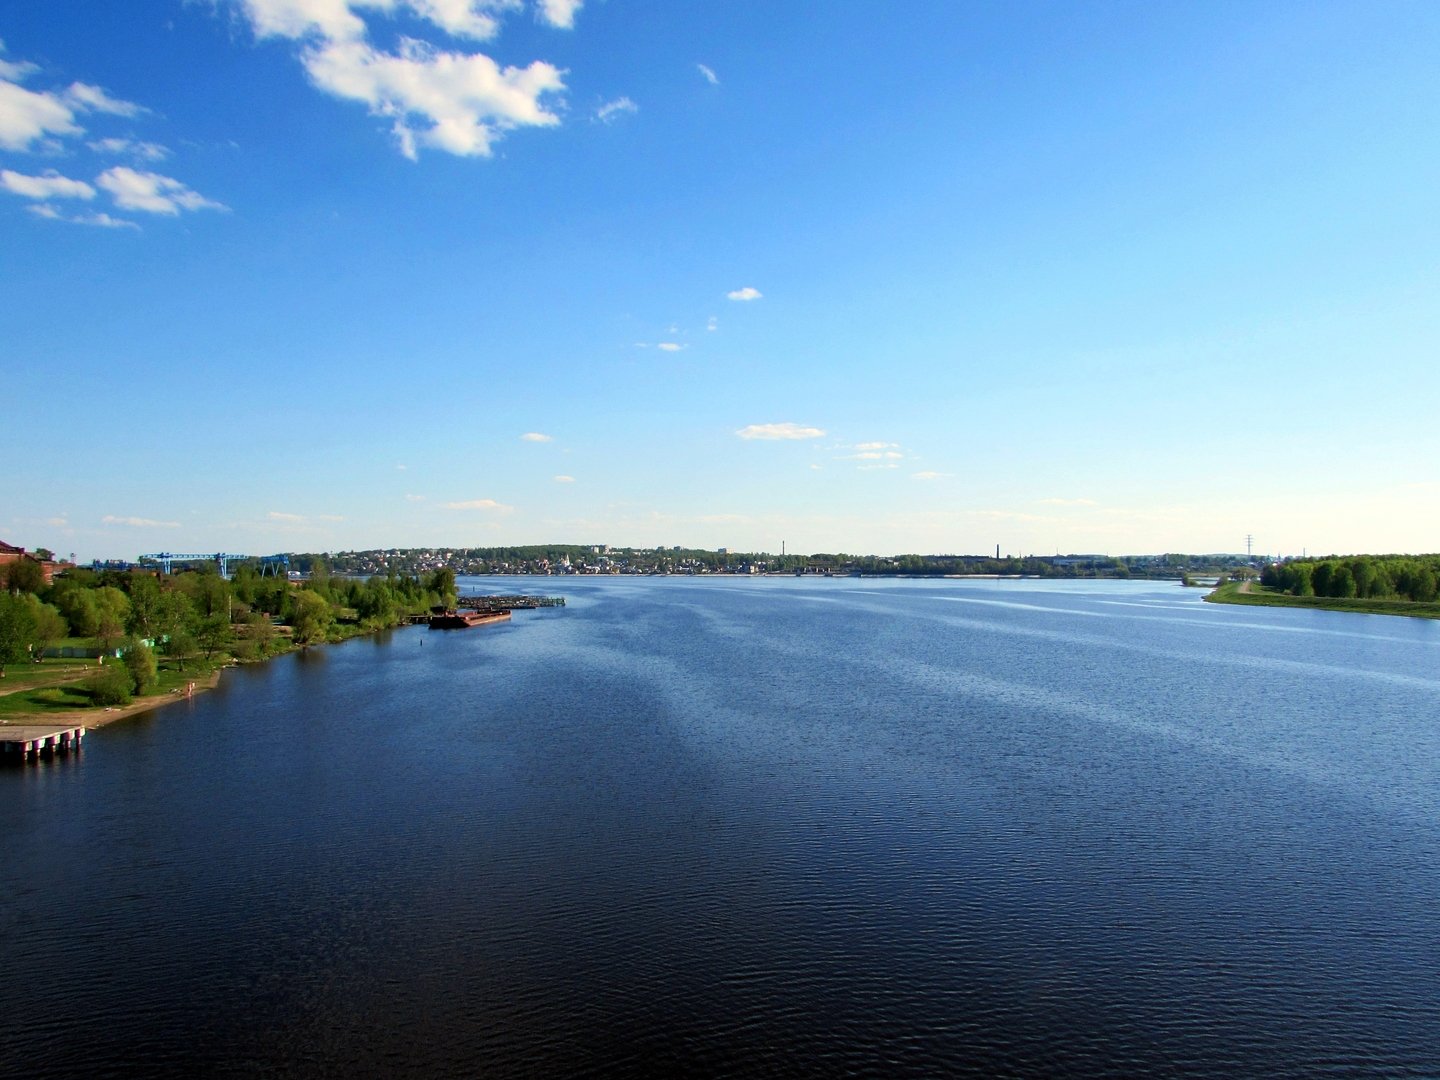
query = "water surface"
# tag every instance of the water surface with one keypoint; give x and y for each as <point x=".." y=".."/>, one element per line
<point x="775" y="827"/>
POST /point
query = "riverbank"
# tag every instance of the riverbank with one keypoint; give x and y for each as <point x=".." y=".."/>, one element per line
<point x="1254" y="595"/>
<point x="47" y="697"/>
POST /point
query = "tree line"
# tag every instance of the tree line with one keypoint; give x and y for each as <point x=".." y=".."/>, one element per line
<point x="152" y="617"/>
<point x="1363" y="577"/>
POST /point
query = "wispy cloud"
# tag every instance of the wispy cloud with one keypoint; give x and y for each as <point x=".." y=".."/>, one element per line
<point x="709" y="74"/>
<point x="929" y="475"/>
<point x="563" y="479"/>
<point x="144" y="151"/>
<point x="780" y="431"/>
<point x="671" y="346"/>
<point x="613" y="110"/>
<point x="479" y="504"/>
<point x="713" y="324"/>
<point x="749" y="292"/>
<point x="138" y="522"/>
<point x="152" y="193"/>
<point x="535" y="436"/>
<point x="280" y="515"/>
<point x="1068" y="502"/>
<point x="103" y="220"/>
<point x="414" y="498"/>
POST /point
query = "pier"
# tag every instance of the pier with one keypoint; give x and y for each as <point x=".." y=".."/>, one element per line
<point x="29" y="742"/>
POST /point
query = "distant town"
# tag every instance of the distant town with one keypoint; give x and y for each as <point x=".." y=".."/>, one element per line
<point x="596" y="559"/>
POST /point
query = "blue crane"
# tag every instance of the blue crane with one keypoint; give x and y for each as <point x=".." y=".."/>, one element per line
<point x="269" y="564"/>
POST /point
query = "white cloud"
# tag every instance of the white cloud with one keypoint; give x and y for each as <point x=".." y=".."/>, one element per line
<point x="535" y="436"/>
<point x="144" y="151"/>
<point x="1068" y="502"/>
<point x="928" y="475"/>
<point x="560" y="13"/>
<point x="139" y="522"/>
<point x="401" y="468"/>
<point x="877" y="446"/>
<point x="876" y="455"/>
<point x="462" y="18"/>
<point x="15" y="71"/>
<point x="414" y="498"/>
<point x="329" y="517"/>
<point x="331" y="19"/>
<point x="102" y="220"/>
<point x="613" y="110"/>
<point x="479" y="504"/>
<point x="562" y="479"/>
<point x="670" y="346"/>
<point x="94" y="99"/>
<point x="27" y="116"/>
<point x="779" y="431"/>
<point x="713" y="324"/>
<point x="749" y="292"/>
<point x="279" y="515"/>
<point x="453" y="101"/>
<point x="151" y="192"/>
<point x="710" y="76"/>
<point x="49" y="186"/>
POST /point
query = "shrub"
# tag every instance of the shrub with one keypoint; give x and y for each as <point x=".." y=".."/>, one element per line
<point x="110" y="686"/>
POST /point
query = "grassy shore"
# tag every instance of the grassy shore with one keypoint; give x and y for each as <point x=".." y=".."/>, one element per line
<point x="58" y="690"/>
<point x="1262" y="596"/>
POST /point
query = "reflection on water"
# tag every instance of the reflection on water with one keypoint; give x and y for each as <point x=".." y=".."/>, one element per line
<point x="754" y="827"/>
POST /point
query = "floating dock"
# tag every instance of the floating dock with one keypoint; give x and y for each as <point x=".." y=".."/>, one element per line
<point x="29" y="742"/>
<point x="508" y="603"/>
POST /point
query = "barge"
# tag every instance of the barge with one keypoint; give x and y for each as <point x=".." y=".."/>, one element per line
<point x="453" y="619"/>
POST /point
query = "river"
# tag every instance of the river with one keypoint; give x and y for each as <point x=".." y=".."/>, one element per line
<point x="775" y="827"/>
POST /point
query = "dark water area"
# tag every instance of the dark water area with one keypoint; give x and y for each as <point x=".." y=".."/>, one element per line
<point x="754" y="828"/>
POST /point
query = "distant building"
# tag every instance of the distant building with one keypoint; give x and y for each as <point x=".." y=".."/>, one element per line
<point x="9" y="553"/>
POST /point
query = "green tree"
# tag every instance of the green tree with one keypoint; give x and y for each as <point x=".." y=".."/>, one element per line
<point x="77" y="603"/>
<point x="50" y="625"/>
<point x="24" y="576"/>
<point x="17" y="631"/>
<point x="213" y="634"/>
<point x="112" y="608"/>
<point x="442" y="584"/>
<point x="145" y="604"/>
<point x="311" y="619"/>
<point x="1342" y="582"/>
<point x="141" y="664"/>
<point x="180" y="645"/>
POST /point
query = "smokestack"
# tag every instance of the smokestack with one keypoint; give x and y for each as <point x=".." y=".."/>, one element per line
<point x="997" y="552"/>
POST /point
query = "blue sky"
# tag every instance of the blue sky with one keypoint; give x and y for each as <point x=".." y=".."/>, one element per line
<point x="329" y="274"/>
